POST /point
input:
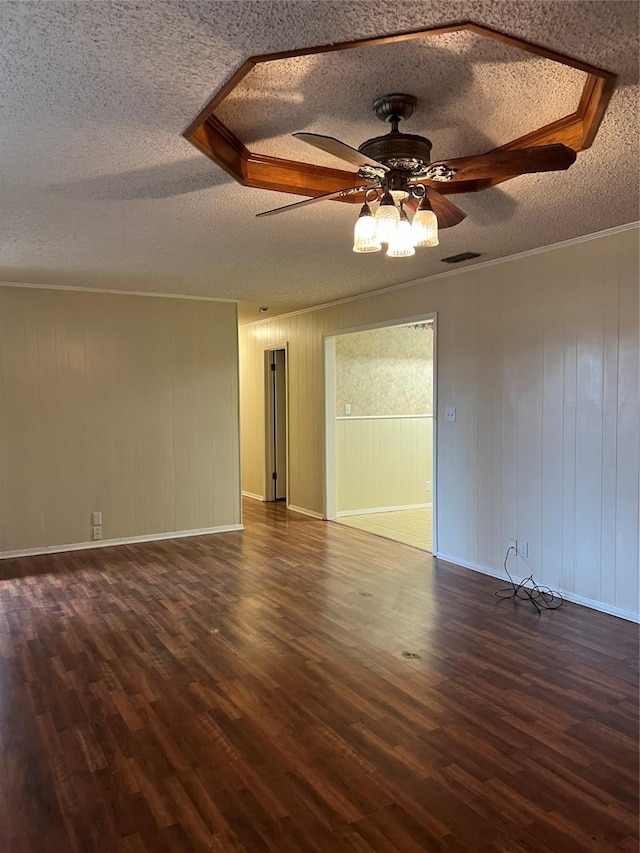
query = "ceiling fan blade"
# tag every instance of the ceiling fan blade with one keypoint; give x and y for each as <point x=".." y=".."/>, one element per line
<point x="506" y="164"/>
<point x="447" y="213"/>
<point x="340" y="149"/>
<point x="338" y="193"/>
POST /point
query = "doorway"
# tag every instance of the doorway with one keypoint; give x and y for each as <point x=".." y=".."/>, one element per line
<point x="380" y="428"/>
<point x="276" y="432"/>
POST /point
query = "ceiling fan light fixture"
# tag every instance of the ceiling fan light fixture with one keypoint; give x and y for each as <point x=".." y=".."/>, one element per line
<point x="399" y="195"/>
<point x="424" y="228"/>
<point x="365" y="232"/>
<point x="401" y="246"/>
<point x="387" y="219"/>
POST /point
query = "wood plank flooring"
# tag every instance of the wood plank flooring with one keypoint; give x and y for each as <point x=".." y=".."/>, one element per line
<point x="302" y="686"/>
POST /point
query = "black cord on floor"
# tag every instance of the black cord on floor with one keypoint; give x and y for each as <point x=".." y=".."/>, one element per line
<point x="542" y="597"/>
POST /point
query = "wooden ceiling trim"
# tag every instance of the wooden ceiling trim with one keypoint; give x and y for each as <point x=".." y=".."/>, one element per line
<point x="216" y="141"/>
<point x="577" y="130"/>
<point x="567" y="130"/>
<point x="530" y="47"/>
<point x="358" y="43"/>
<point x="596" y="106"/>
<point x="219" y="97"/>
<point x="220" y="144"/>
<point x="289" y="176"/>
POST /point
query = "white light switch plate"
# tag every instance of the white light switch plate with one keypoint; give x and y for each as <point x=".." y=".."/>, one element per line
<point x="450" y="413"/>
<point x="96" y="518"/>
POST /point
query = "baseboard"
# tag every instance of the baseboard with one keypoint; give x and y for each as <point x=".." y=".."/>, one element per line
<point x="602" y="606"/>
<point x="303" y="511"/>
<point x="108" y="543"/>
<point x="252" y="496"/>
<point x="611" y="609"/>
<point x="346" y="512"/>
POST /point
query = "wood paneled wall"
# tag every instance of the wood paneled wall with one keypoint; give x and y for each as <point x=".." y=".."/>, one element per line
<point x="126" y="405"/>
<point x="540" y="356"/>
<point x="383" y="462"/>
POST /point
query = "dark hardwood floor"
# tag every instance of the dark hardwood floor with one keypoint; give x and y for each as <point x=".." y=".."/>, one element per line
<point x="305" y="687"/>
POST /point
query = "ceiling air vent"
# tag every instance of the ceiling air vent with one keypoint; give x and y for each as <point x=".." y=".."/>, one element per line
<point x="463" y="256"/>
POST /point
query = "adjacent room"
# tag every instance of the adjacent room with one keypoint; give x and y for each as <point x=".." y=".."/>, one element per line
<point x="319" y="426"/>
<point x="381" y="442"/>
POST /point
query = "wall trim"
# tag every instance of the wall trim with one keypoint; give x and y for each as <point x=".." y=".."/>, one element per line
<point x="608" y="232"/>
<point x="602" y="606"/>
<point x="78" y="289"/>
<point x="252" y="496"/>
<point x="311" y="513"/>
<point x="346" y="512"/>
<point x="378" y="417"/>
<point x="109" y="543"/>
<point x="395" y="323"/>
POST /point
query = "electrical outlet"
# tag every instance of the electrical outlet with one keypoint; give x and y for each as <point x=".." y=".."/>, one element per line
<point x="513" y="544"/>
<point x="523" y="549"/>
<point x="96" y="533"/>
<point x="427" y="486"/>
<point x="96" y="518"/>
<point x="347" y="408"/>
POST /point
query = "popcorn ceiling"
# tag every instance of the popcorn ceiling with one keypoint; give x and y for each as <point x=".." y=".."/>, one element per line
<point x="474" y="94"/>
<point x="99" y="189"/>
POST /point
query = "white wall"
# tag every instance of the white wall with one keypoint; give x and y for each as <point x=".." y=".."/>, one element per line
<point x="383" y="463"/>
<point x="540" y="356"/>
<point x="121" y="404"/>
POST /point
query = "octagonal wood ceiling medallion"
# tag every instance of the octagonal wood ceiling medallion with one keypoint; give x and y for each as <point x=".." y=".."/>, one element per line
<point x="250" y="168"/>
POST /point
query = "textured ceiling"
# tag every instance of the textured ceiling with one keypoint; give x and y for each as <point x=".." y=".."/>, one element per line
<point x="99" y="189"/>
<point x="474" y="94"/>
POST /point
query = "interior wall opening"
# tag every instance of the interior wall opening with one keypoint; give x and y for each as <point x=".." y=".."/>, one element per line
<point x="380" y="385"/>
<point x="276" y="425"/>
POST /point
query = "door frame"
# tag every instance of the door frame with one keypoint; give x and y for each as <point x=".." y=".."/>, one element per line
<point x="269" y="461"/>
<point x="330" y="462"/>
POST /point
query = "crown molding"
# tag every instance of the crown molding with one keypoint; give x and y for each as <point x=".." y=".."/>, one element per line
<point x="608" y="232"/>
<point x="152" y="293"/>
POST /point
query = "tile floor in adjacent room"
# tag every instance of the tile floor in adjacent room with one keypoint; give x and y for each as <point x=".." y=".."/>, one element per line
<point x="410" y="526"/>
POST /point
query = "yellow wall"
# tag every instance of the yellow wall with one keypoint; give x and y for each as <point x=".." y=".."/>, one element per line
<point x="383" y="463"/>
<point x="540" y="356"/>
<point x="121" y="404"/>
<point x="384" y="456"/>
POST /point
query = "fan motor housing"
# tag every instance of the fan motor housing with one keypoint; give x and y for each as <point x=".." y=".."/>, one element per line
<point x="404" y="151"/>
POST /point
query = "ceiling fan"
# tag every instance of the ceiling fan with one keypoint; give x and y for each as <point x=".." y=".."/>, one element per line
<point x="397" y="172"/>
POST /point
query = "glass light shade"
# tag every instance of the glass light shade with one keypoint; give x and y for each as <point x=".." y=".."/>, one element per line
<point x="364" y="233"/>
<point x="387" y="218"/>
<point x="402" y="244"/>
<point x="399" y="195"/>
<point x="425" y="226"/>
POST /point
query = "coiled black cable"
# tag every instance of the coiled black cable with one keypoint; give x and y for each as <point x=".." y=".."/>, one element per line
<point x="542" y="597"/>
